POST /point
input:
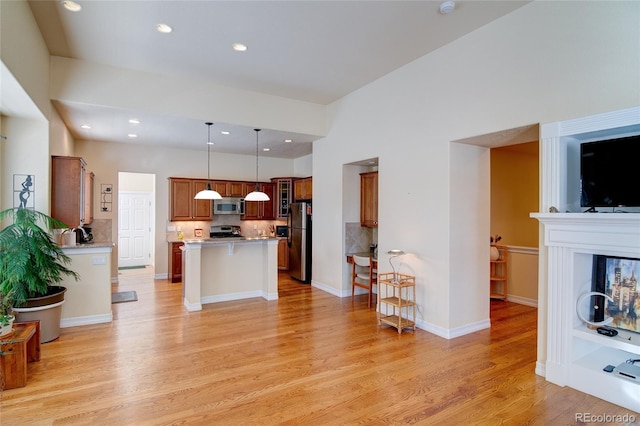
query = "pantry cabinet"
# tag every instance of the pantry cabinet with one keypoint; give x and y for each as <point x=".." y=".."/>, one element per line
<point x="183" y="206"/>
<point x="71" y="191"/>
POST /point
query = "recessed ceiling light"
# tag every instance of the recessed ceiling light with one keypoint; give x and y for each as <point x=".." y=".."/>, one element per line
<point x="224" y="132"/>
<point x="85" y="126"/>
<point x="288" y="141"/>
<point x="71" y="6"/>
<point x="239" y="47"/>
<point x="132" y="135"/>
<point x="164" y="28"/>
<point x="266" y="149"/>
<point x="134" y="121"/>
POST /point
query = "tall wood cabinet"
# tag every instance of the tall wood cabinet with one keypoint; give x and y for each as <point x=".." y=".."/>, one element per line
<point x="71" y="191"/>
<point x="369" y="199"/>
<point x="284" y="196"/>
<point x="182" y="205"/>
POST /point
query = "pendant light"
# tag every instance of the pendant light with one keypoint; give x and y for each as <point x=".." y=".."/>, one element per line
<point x="256" y="195"/>
<point x="208" y="194"/>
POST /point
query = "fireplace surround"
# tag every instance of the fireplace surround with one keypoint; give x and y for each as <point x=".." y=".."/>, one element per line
<point x="570" y="353"/>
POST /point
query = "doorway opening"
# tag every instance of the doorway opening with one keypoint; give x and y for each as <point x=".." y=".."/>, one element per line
<point x="136" y="224"/>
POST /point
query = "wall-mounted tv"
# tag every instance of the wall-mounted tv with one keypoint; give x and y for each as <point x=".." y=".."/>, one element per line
<point x="609" y="173"/>
<point x="616" y="277"/>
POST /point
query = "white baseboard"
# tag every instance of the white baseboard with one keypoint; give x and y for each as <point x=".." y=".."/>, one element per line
<point x="522" y="300"/>
<point x="452" y="333"/>
<point x="231" y="296"/>
<point x="88" y="320"/>
<point x="328" y="289"/>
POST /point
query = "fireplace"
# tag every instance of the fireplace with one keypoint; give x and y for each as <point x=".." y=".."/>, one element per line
<point x="569" y="352"/>
<point x="576" y="354"/>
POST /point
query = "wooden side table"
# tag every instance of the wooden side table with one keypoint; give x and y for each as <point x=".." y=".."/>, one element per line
<point x="396" y="300"/>
<point x="16" y="349"/>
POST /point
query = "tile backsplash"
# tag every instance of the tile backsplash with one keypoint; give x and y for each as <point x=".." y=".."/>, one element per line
<point x="359" y="238"/>
<point x="101" y="230"/>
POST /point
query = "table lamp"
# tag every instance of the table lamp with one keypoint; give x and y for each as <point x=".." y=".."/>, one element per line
<point x="394" y="253"/>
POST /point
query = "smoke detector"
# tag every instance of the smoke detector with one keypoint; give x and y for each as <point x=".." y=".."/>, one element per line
<point x="447" y="7"/>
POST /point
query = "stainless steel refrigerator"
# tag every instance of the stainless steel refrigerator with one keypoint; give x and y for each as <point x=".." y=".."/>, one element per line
<point x="299" y="224"/>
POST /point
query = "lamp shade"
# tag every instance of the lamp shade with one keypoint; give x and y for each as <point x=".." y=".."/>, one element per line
<point x="208" y="194"/>
<point x="395" y="252"/>
<point x="256" y="196"/>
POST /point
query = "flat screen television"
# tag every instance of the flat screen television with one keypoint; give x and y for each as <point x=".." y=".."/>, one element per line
<point x="617" y="277"/>
<point x="609" y="173"/>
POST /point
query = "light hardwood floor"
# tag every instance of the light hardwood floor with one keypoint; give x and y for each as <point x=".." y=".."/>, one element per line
<point x="307" y="358"/>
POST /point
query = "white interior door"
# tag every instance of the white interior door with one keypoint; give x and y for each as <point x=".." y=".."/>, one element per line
<point x="134" y="230"/>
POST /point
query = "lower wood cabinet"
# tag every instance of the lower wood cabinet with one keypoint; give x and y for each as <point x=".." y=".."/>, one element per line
<point x="175" y="262"/>
<point x="283" y="255"/>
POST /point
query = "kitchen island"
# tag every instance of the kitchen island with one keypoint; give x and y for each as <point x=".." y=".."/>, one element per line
<point x="88" y="300"/>
<point x="223" y="269"/>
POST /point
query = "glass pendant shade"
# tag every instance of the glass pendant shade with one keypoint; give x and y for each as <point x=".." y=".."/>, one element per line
<point x="257" y="195"/>
<point x="208" y="194"/>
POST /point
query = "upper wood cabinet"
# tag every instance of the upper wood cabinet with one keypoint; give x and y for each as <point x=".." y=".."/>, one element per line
<point x="89" y="177"/>
<point x="182" y="205"/>
<point x="230" y="188"/>
<point x="71" y="191"/>
<point x="260" y="210"/>
<point x="303" y="189"/>
<point x="284" y="196"/>
<point x="369" y="199"/>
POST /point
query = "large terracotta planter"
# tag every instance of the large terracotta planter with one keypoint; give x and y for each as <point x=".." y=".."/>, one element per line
<point x="46" y="309"/>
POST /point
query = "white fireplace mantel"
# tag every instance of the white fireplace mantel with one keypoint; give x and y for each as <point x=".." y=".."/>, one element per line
<point x="601" y="233"/>
<point x="576" y="354"/>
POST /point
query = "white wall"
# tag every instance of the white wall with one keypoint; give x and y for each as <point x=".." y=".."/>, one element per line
<point x="546" y="61"/>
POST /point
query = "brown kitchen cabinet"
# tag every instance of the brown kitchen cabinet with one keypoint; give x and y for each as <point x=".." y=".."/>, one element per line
<point x="230" y="188"/>
<point x="283" y="255"/>
<point x="260" y="210"/>
<point x="71" y="191"/>
<point x="175" y="262"/>
<point x="369" y="199"/>
<point x="183" y="206"/>
<point x="284" y="196"/>
<point x="303" y="189"/>
<point x="89" y="178"/>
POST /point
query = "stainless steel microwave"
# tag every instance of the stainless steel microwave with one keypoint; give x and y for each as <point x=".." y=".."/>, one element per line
<point x="228" y="206"/>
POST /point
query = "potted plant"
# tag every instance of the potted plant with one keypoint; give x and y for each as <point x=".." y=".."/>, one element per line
<point x="31" y="266"/>
<point x="6" y="314"/>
